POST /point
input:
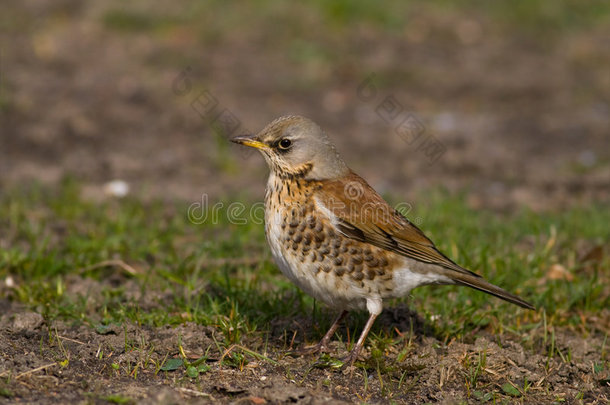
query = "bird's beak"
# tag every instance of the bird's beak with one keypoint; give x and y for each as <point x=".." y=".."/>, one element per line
<point x="249" y="140"/>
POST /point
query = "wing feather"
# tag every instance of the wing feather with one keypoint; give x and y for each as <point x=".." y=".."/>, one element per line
<point x="361" y="214"/>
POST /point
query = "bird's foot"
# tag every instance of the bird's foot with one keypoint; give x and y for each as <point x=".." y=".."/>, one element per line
<point x="348" y="366"/>
<point x="348" y="362"/>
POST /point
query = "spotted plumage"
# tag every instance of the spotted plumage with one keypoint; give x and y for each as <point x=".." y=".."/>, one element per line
<point x="336" y="270"/>
<point x="333" y="236"/>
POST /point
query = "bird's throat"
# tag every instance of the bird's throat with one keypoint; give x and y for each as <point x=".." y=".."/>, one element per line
<point x="299" y="172"/>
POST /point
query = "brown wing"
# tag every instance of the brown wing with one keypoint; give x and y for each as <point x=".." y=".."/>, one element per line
<point x="363" y="215"/>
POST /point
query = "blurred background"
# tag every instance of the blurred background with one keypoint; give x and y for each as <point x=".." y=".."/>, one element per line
<point x="508" y="101"/>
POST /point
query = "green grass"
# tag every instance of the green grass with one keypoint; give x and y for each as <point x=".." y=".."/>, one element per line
<point x="220" y="273"/>
<point x="516" y="251"/>
<point x="391" y="15"/>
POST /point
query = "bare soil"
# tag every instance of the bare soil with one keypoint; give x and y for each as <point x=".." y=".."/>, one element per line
<point x="55" y="362"/>
<point x="524" y="121"/>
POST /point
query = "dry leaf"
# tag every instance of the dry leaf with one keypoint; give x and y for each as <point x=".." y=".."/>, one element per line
<point x="559" y="272"/>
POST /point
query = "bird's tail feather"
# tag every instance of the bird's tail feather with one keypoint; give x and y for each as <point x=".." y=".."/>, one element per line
<point x="482" y="285"/>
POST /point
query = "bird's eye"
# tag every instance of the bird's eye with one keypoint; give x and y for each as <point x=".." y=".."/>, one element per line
<point x="285" y="143"/>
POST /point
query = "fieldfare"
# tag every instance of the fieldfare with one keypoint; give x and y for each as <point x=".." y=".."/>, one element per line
<point x="333" y="236"/>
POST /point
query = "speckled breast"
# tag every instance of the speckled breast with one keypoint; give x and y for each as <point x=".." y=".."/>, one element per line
<point x="340" y="271"/>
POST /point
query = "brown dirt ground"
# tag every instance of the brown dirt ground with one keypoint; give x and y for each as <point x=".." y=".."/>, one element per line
<point x="523" y="125"/>
<point x="524" y="122"/>
<point x="103" y="364"/>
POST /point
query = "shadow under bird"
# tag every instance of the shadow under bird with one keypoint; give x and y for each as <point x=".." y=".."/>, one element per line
<point x="333" y="236"/>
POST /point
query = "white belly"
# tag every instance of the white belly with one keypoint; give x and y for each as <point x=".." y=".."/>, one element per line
<point x="405" y="279"/>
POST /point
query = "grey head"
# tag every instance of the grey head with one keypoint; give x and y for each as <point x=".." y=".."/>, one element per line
<point x="297" y="146"/>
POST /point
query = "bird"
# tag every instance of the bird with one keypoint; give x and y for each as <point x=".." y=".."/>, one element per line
<point x="336" y="238"/>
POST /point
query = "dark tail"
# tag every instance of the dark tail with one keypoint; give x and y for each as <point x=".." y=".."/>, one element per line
<point x="482" y="285"/>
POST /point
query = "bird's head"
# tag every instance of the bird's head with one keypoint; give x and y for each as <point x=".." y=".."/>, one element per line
<point x="296" y="146"/>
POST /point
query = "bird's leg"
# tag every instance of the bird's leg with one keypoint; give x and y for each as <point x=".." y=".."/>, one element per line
<point x="349" y="360"/>
<point x="333" y="328"/>
<point x="323" y="344"/>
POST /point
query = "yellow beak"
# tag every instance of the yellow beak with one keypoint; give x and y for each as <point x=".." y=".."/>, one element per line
<point x="248" y="140"/>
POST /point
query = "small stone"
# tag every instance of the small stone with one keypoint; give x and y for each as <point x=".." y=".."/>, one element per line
<point x="116" y="188"/>
<point x="27" y="321"/>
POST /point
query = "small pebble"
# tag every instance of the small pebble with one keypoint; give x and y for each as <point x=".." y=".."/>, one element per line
<point x="116" y="188"/>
